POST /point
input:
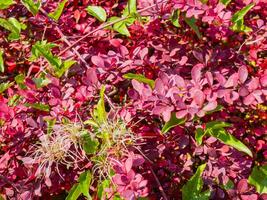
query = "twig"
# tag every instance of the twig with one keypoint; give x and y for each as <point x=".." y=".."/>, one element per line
<point x="65" y="39"/>
<point x="160" y="187"/>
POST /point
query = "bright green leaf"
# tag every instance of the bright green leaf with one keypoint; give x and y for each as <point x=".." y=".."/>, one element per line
<point x="258" y="178"/>
<point x="121" y="28"/>
<point x="5" y="86"/>
<point x="50" y="122"/>
<point x="57" y="13"/>
<point x="14" y="100"/>
<point x="172" y="123"/>
<point x="130" y="8"/>
<point x="97" y="12"/>
<point x="14" y="26"/>
<point x="100" y="111"/>
<point x="199" y="135"/>
<point x="192" y="23"/>
<point x="175" y="18"/>
<point x="239" y="15"/>
<point x="32" y="6"/>
<point x="74" y="192"/>
<point x="91" y="123"/>
<point x="101" y="194"/>
<point x="141" y="78"/>
<point x="2" y="67"/>
<point x="90" y="145"/>
<point x="38" y="106"/>
<point x="218" y="108"/>
<point x="238" y="19"/>
<point x="4" y="4"/>
<point x="230" y="140"/>
<point x="85" y="182"/>
<point x="225" y="2"/>
<point x="20" y="81"/>
<point x="192" y="189"/>
<point x="217" y="124"/>
<point x="63" y="68"/>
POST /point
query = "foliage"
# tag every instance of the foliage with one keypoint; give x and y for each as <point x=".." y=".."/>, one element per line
<point x="131" y="96"/>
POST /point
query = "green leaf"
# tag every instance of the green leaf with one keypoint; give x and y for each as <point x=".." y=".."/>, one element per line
<point x="14" y="100"/>
<point x="97" y="12"/>
<point x="199" y="135"/>
<point x="217" y="124"/>
<point x="258" y="178"/>
<point x="57" y="13"/>
<point x="5" y="4"/>
<point x="238" y="19"/>
<point x="172" y="123"/>
<point x="218" y="108"/>
<point x="91" y="123"/>
<point x="42" y="48"/>
<point x="141" y="78"/>
<point x="63" y="68"/>
<point x="90" y="145"/>
<point x="32" y="6"/>
<point x="85" y="182"/>
<point x="14" y="26"/>
<point x="5" y="86"/>
<point x="121" y="28"/>
<point x="239" y="15"/>
<point x="38" y="106"/>
<point x="82" y="187"/>
<point x="175" y="18"/>
<point x="229" y="185"/>
<point x="192" y="189"/>
<point x="50" y="122"/>
<point x="130" y="8"/>
<point x="2" y="67"/>
<point x="100" y="111"/>
<point x="74" y="192"/>
<point x="225" y="2"/>
<point x="230" y="140"/>
<point x="20" y="81"/>
<point x="192" y="23"/>
<point x="42" y="81"/>
<point x="101" y="194"/>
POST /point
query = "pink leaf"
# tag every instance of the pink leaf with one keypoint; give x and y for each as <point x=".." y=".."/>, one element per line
<point x="128" y="164"/>
<point x="98" y="61"/>
<point x="196" y="72"/>
<point x="242" y="74"/>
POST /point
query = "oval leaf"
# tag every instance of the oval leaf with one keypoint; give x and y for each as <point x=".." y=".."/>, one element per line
<point x="97" y="12"/>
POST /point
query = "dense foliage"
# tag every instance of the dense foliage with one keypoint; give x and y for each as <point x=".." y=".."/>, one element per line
<point x="137" y="99"/>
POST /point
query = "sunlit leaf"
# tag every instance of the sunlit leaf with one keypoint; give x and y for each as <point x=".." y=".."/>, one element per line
<point x="5" y="86"/>
<point x="14" y="26"/>
<point x="141" y="78"/>
<point x="130" y="8"/>
<point x="90" y="145"/>
<point x="192" y="190"/>
<point x="38" y="106"/>
<point x="172" y="123"/>
<point x="100" y="111"/>
<point x="32" y="6"/>
<point x="6" y="3"/>
<point x="258" y="178"/>
<point x="97" y="12"/>
<point x="101" y="194"/>
<point x="85" y="182"/>
<point x="225" y="2"/>
<point x="121" y="28"/>
<point x="175" y="18"/>
<point x="74" y="192"/>
<point x="19" y="79"/>
<point x="58" y="11"/>
<point x="63" y="68"/>
<point x="200" y="133"/>
<point x="230" y="140"/>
